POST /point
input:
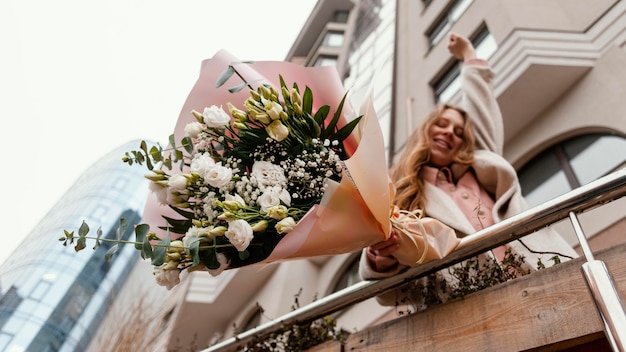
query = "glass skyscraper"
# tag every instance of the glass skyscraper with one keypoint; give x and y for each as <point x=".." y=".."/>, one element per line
<point x="52" y="298"/>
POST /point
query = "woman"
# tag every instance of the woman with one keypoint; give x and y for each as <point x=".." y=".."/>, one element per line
<point x="452" y="169"/>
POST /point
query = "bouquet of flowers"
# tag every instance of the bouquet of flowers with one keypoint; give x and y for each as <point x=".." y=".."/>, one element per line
<point x="260" y="174"/>
<point x="247" y="170"/>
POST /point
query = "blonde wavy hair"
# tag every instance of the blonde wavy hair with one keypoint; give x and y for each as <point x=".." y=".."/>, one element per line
<point x="405" y="173"/>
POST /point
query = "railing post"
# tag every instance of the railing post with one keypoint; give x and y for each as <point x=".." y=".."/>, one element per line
<point x="603" y="291"/>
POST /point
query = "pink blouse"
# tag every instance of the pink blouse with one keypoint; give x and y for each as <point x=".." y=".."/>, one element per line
<point x="473" y="200"/>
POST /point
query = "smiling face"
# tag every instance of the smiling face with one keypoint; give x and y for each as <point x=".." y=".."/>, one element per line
<point x="446" y="135"/>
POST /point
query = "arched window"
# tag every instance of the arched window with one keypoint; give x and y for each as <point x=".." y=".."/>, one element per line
<point x="253" y="320"/>
<point x="571" y="164"/>
<point x="349" y="275"/>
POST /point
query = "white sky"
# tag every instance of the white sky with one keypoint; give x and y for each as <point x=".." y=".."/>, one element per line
<point x="79" y="78"/>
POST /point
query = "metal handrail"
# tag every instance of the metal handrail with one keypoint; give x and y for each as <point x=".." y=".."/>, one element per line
<point x="596" y="193"/>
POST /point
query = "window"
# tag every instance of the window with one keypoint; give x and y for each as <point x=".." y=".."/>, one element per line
<point x="349" y="276"/>
<point x="121" y="183"/>
<point x="341" y="16"/>
<point x="40" y="290"/>
<point x="569" y="165"/>
<point x="324" y="60"/>
<point x="449" y="82"/>
<point x="442" y="26"/>
<point x="333" y="39"/>
<point x="99" y="212"/>
<point x="253" y="320"/>
<point x="4" y="340"/>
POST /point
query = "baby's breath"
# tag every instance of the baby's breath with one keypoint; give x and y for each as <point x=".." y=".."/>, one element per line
<point x="253" y="172"/>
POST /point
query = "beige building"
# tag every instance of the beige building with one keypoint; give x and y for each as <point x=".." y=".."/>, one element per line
<point x="560" y="71"/>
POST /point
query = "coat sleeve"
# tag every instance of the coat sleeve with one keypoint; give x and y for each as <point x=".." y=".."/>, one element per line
<point x="479" y="100"/>
<point x="366" y="272"/>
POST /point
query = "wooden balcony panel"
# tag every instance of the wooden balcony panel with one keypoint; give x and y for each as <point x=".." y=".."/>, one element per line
<point x="550" y="310"/>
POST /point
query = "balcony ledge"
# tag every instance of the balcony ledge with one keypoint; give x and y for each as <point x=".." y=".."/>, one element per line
<point x="550" y="310"/>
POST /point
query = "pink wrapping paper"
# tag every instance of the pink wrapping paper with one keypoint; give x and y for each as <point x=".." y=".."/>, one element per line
<point x="323" y="81"/>
<point x="355" y="212"/>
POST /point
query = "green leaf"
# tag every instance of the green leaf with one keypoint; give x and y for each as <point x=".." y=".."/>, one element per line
<point x="98" y="236"/>
<point x="80" y="244"/>
<point x="307" y="101"/>
<point x="139" y="158"/>
<point x="168" y="163"/>
<point x="159" y="253"/>
<point x="238" y="88"/>
<point x="109" y="254"/>
<point x="179" y="226"/>
<point x="172" y="140"/>
<point x="243" y="255"/>
<point x="178" y="155"/>
<point x="209" y="258"/>
<point x="333" y="123"/>
<point x="146" y="249"/>
<point x="144" y="147"/>
<point x="345" y="131"/>
<point x="121" y="229"/>
<point x="321" y="115"/>
<point x="83" y="230"/>
<point x="141" y="232"/>
<point x="284" y="85"/>
<point x="187" y="214"/>
<point x="155" y="153"/>
<point x="187" y="144"/>
<point x="230" y="70"/>
<point x="194" y="251"/>
<point x="127" y="158"/>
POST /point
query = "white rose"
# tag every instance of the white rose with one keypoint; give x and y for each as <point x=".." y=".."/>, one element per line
<point x="234" y="199"/>
<point x="215" y="117"/>
<point x="195" y="232"/>
<point x="218" y="175"/>
<point x="201" y="163"/>
<point x="239" y="234"/>
<point x="273" y="109"/>
<point x="160" y="191"/>
<point x="178" y="182"/>
<point x="193" y="129"/>
<point x="167" y="278"/>
<point x="221" y="258"/>
<point x="174" y="197"/>
<point x="285" y="225"/>
<point x="276" y="130"/>
<point x="277" y="212"/>
<point x="270" y="198"/>
<point x="268" y="174"/>
<point x="190" y="236"/>
<point x="284" y="196"/>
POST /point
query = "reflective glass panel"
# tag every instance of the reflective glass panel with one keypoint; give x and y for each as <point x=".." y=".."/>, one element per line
<point x="593" y="156"/>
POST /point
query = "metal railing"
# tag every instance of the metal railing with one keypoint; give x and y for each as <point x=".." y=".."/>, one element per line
<point x="601" y="285"/>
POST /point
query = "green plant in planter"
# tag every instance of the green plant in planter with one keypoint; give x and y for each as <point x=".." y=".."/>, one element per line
<point x="298" y="336"/>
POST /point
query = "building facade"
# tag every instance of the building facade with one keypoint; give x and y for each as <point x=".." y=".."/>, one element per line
<point x="54" y="299"/>
<point x="559" y="80"/>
